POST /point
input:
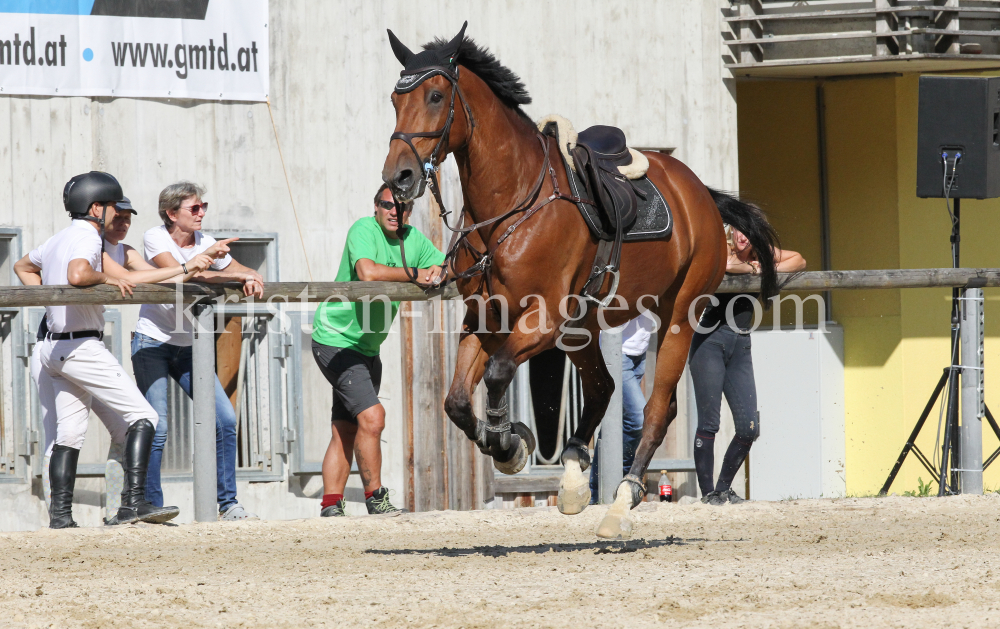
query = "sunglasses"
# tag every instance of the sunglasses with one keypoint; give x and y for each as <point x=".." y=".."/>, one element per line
<point x="386" y="205"/>
<point x="197" y="208"/>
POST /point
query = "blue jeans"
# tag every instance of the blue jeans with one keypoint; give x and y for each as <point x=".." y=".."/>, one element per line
<point x="153" y="361"/>
<point x="633" y="405"/>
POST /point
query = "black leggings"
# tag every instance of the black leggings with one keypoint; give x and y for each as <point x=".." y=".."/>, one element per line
<point x="721" y="362"/>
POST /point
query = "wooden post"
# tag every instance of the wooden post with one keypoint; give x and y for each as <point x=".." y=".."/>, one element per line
<point x="442" y="470"/>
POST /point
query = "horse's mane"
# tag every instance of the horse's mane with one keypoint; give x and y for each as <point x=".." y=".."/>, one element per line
<point x="502" y="81"/>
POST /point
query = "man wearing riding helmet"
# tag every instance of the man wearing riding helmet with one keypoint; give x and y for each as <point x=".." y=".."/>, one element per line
<point x="76" y="360"/>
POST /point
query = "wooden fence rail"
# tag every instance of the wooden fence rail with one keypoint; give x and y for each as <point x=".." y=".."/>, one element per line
<point x="208" y="296"/>
<point x="21" y="296"/>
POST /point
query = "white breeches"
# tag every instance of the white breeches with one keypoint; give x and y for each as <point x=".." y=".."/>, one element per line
<point x="74" y="376"/>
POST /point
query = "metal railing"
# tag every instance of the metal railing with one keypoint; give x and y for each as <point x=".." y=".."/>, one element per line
<point x="205" y="299"/>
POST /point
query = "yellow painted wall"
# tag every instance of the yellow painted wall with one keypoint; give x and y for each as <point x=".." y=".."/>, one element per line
<point x="896" y="341"/>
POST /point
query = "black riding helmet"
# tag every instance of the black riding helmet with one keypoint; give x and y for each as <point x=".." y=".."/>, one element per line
<point x="84" y="190"/>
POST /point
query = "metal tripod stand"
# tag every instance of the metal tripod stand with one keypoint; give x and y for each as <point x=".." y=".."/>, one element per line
<point x="948" y="475"/>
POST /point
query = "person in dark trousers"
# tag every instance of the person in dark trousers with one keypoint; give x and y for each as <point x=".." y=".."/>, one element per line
<point x="720" y="362"/>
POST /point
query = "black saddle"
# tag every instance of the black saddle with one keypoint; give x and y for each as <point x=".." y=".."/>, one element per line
<point x="616" y="209"/>
<point x="599" y="151"/>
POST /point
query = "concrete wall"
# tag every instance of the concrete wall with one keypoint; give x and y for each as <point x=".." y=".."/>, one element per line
<point x="653" y="68"/>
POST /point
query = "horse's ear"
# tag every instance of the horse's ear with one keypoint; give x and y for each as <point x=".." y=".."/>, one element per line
<point x="399" y="49"/>
<point x="454" y="45"/>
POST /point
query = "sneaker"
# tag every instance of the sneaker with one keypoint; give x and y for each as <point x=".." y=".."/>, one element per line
<point x="335" y="510"/>
<point x="712" y="498"/>
<point x="379" y="503"/>
<point x="235" y="513"/>
<point x="732" y="497"/>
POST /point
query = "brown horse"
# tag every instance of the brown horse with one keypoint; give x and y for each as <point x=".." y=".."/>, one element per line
<point x="528" y="249"/>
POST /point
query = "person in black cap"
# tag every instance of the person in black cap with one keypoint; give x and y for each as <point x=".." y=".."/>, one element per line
<point x="76" y="360"/>
<point x="135" y="267"/>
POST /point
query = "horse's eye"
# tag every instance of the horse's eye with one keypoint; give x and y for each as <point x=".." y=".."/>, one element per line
<point x="436" y="97"/>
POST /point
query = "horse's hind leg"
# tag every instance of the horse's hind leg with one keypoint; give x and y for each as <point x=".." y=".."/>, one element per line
<point x="675" y="333"/>
<point x="598" y="385"/>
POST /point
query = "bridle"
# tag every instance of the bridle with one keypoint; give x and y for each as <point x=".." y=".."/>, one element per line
<point x="408" y="83"/>
<point x="429" y="169"/>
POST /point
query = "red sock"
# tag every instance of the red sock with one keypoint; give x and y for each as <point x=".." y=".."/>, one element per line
<point x="369" y="494"/>
<point x="330" y="499"/>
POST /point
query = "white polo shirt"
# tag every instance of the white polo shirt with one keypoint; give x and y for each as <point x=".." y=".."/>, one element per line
<point x="162" y="321"/>
<point x="635" y="336"/>
<point x="78" y="241"/>
<point x="115" y="252"/>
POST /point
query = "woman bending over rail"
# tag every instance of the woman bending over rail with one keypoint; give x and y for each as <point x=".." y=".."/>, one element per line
<point x="720" y="362"/>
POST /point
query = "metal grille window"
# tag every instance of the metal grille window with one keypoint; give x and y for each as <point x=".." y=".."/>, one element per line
<point x="570" y="409"/>
<point x="251" y="369"/>
<point x="15" y="427"/>
<point x="310" y="398"/>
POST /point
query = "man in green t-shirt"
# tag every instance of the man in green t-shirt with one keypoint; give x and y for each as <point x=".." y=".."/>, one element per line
<point x="345" y="343"/>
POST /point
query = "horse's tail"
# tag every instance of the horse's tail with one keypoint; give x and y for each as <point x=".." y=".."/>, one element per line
<point x="751" y="221"/>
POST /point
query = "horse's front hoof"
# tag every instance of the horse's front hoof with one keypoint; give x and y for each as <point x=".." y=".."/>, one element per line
<point x="527" y="437"/>
<point x="617" y="523"/>
<point x="516" y="462"/>
<point x="574" y="489"/>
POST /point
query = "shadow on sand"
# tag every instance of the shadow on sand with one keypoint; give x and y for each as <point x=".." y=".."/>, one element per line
<point x="599" y="548"/>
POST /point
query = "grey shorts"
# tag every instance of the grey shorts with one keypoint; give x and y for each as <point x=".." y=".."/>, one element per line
<point x="355" y="378"/>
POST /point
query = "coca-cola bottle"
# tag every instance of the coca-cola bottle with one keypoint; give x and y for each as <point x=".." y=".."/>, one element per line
<point x="666" y="491"/>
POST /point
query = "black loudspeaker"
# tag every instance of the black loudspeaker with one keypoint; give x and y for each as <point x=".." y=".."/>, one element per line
<point x="959" y="116"/>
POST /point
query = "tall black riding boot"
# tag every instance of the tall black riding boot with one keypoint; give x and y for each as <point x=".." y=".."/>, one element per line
<point x="135" y="508"/>
<point x="62" y="479"/>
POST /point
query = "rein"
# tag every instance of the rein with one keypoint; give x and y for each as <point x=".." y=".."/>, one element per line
<point x="485" y="259"/>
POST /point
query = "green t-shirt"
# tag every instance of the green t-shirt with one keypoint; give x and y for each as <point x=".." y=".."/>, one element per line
<point x="340" y="324"/>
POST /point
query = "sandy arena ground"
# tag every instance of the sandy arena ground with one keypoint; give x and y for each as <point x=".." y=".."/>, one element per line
<point x="889" y="562"/>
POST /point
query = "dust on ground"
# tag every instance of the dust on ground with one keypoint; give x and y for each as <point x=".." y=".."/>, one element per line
<point x="867" y="562"/>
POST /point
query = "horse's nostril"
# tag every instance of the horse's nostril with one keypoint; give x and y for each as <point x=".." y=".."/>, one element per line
<point x="404" y="178"/>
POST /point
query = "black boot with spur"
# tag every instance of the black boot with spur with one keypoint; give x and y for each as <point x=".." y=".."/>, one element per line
<point x="135" y="508"/>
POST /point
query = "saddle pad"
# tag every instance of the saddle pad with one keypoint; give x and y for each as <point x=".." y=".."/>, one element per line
<point x="653" y="219"/>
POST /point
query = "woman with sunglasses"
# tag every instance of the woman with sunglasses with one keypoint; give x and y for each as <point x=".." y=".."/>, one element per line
<point x="161" y="347"/>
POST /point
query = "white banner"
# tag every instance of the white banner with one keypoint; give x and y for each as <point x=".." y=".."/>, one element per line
<point x="202" y="49"/>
